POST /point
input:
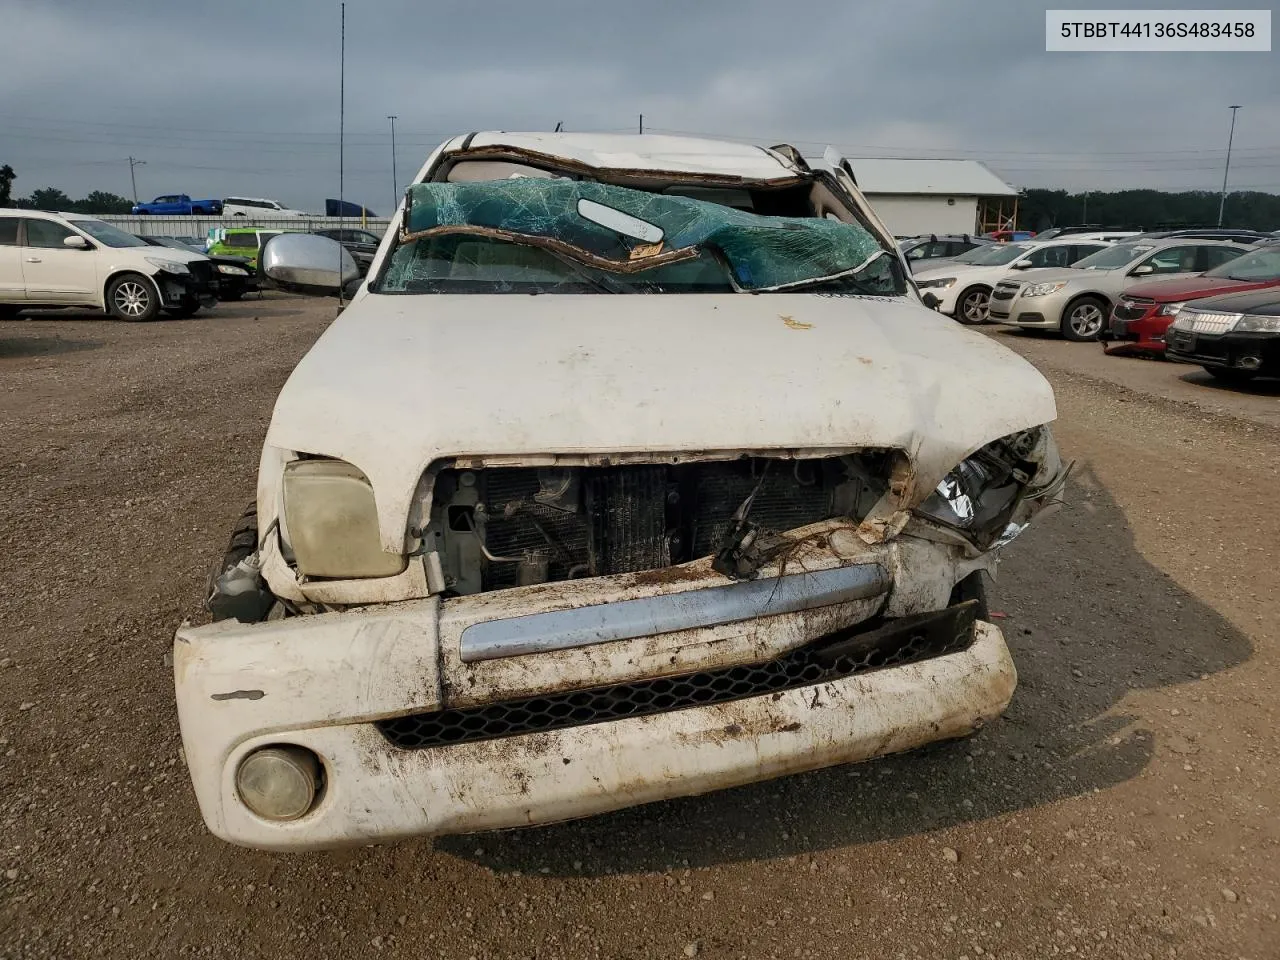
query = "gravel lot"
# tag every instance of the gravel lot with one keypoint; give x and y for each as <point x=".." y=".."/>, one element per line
<point x="1125" y="807"/>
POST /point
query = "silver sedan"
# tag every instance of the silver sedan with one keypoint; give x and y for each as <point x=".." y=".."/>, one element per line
<point x="1077" y="299"/>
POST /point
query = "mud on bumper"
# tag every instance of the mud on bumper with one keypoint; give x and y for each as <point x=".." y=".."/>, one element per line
<point x="394" y="774"/>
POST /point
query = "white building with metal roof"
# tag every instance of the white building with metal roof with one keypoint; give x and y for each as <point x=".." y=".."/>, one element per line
<point x="935" y="196"/>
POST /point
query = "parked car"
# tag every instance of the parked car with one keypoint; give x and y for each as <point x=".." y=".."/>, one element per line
<point x="934" y="247"/>
<point x="1005" y="236"/>
<point x="235" y="275"/>
<point x="258" y="207"/>
<point x="1207" y="233"/>
<point x="361" y="244"/>
<point x="964" y="285"/>
<point x="1143" y="314"/>
<point x="1235" y="337"/>
<point x="194" y="244"/>
<point x="1082" y="230"/>
<point x="243" y="242"/>
<point x="70" y="260"/>
<point x="617" y="576"/>
<point x="1075" y="301"/>
<point x="178" y="205"/>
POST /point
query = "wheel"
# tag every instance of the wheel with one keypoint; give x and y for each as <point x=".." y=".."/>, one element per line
<point x="230" y="295"/>
<point x="1227" y="375"/>
<point x="239" y="597"/>
<point x="131" y="296"/>
<point x="143" y="213"/>
<point x="184" y="311"/>
<point x="1082" y="320"/>
<point x="972" y="304"/>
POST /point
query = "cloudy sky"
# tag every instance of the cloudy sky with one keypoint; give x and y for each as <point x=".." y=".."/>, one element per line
<point x="241" y="96"/>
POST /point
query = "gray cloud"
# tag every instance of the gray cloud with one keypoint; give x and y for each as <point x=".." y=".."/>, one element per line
<point x="242" y="97"/>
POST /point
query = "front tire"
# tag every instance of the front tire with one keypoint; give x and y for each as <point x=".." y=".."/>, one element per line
<point x="1227" y="375"/>
<point x="972" y="305"/>
<point x="1083" y="319"/>
<point x="132" y="297"/>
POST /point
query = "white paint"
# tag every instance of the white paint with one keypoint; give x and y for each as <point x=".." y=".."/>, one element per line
<point x="909" y="216"/>
<point x="377" y="792"/>
<point x="456" y="375"/>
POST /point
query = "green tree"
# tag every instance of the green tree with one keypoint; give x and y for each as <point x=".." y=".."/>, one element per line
<point x="100" y="201"/>
<point x="50" y="198"/>
<point x="7" y="176"/>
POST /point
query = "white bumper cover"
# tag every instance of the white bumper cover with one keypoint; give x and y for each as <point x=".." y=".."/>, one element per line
<point x="325" y="693"/>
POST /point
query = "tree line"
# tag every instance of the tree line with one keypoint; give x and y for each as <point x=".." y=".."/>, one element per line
<point x="51" y="198"/>
<point x="1147" y="209"/>
<point x="1038" y="209"/>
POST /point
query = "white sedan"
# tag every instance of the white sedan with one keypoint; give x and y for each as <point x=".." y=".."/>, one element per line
<point x="964" y="285"/>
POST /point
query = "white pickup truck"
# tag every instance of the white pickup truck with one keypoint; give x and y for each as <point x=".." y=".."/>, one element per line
<point x="635" y="468"/>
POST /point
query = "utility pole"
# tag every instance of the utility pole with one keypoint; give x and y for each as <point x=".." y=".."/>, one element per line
<point x="342" y="142"/>
<point x="134" y="180"/>
<point x="1222" y="204"/>
<point x="642" y="123"/>
<point x="395" y="182"/>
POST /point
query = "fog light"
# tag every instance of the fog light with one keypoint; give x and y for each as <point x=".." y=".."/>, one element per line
<point x="1249" y="363"/>
<point x="279" y="783"/>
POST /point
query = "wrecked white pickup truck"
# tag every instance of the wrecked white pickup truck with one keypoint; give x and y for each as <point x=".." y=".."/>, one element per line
<point x="635" y="469"/>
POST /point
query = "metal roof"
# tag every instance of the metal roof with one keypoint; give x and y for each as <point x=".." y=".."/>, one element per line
<point x="965" y="178"/>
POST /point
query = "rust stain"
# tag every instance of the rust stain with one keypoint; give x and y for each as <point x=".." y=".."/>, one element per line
<point x="664" y="575"/>
<point x="795" y="324"/>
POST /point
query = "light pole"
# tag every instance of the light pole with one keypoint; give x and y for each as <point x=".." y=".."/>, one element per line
<point x="134" y="180"/>
<point x="395" y="182"/>
<point x="1222" y="204"/>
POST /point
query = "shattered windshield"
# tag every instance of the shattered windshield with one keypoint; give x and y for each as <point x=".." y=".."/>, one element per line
<point x="530" y="235"/>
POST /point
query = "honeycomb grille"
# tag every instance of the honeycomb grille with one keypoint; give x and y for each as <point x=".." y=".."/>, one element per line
<point x="822" y="662"/>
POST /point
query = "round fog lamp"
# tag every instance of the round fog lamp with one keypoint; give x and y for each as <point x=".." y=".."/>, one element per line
<point x="279" y="783"/>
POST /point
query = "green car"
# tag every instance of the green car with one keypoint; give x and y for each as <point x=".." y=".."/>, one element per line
<point x="240" y="242"/>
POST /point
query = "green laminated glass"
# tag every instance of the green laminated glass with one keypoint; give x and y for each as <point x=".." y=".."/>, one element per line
<point x="758" y="252"/>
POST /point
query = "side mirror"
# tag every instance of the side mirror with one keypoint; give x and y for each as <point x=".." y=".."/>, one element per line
<point x="76" y="242"/>
<point x="930" y="301"/>
<point x="1020" y="265"/>
<point x="1144" y="269"/>
<point x="307" y="263"/>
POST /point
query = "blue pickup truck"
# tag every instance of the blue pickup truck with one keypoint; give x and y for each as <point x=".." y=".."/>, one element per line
<point x="178" y="205"/>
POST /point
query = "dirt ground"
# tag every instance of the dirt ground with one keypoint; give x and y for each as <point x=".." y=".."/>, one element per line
<point x="1125" y="807"/>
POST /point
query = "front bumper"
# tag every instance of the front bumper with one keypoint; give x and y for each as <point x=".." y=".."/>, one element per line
<point x="1257" y="353"/>
<point x="1144" y="334"/>
<point x="183" y="289"/>
<point x="326" y="695"/>
<point x="1043" y="313"/>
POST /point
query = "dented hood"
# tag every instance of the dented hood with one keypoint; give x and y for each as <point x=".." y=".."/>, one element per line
<point x="397" y="382"/>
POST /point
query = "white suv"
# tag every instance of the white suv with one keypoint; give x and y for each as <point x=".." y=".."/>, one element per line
<point x="67" y="260"/>
<point x="258" y="207"/>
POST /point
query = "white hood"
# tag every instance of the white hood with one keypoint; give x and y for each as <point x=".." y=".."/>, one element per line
<point x="400" y="381"/>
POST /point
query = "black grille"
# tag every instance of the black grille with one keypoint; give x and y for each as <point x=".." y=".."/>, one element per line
<point x="1004" y="293"/>
<point x="202" y="273"/>
<point x="1131" y="309"/>
<point x="909" y="640"/>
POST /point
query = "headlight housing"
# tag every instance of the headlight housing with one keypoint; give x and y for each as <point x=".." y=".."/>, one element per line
<point x="332" y="520"/>
<point x="168" y="266"/>
<point x="981" y="497"/>
<point x="1258" y="323"/>
<point x="1170" y="309"/>
<point x="231" y="271"/>
<point x="941" y="283"/>
<point x="1043" y="289"/>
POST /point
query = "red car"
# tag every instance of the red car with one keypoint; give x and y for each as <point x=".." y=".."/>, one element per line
<point x="1142" y="315"/>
